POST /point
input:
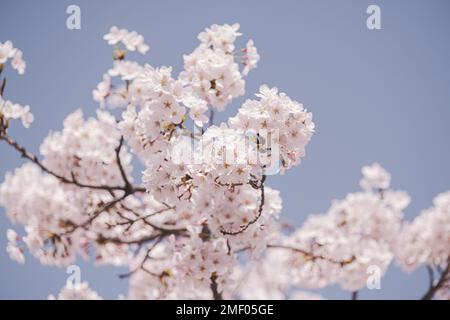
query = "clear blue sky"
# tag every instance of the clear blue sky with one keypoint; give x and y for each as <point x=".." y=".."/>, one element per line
<point x="376" y="96"/>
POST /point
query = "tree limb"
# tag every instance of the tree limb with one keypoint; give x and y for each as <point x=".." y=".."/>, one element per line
<point x="441" y="282"/>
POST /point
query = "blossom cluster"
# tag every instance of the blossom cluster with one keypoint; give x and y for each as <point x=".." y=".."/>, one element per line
<point x="285" y="120"/>
<point x="8" y="52"/>
<point x="426" y="239"/>
<point x="85" y="150"/>
<point x="211" y="69"/>
<point x="355" y="233"/>
<point x="131" y="40"/>
<point x="77" y="291"/>
<point x="8" y="109"/>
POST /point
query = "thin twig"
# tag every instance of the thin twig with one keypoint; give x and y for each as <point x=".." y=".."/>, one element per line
<point x="130" y="222"/>
<point x="146" y="257"/>
<point x="430" y="277"/>
<point x="2" y="87"/>
<point x="97" y="213"/>
<point x="128" y="187"/>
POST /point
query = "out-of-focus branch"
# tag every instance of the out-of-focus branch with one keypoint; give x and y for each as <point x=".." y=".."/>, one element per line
<point x="141" y="265"/>
<point x="2" y="87"/>
<point x="130" y="222"/>
<point x="211" y="118"/>
<point x="430" y="276"/>
<point x="161" y="233"/>
<point x="214" y="288"/>
<point x="311" y="255"/>
<point x="97" y="213"/>
<point x="440" y="284"/>
<point x="127" y="187"/>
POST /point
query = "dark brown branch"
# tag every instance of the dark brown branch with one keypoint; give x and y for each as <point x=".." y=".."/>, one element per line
<point x="430" y="277"/>
<point x="2" y="87"/>
<point x="440" y="284"/>
<point x="128" y="187"/>
<point x="229" y="185"/>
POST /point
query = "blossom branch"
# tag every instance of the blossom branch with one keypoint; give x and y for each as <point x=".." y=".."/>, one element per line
<point x="33" y="158"/>
<point x="311" y="255"/>
<point x="256" y="218"/>
<point x="162" y="233"/>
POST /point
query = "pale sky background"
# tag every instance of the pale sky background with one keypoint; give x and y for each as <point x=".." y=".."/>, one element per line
<point x="378" y="95"/>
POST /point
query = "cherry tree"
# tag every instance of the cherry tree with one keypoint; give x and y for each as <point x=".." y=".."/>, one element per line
<point x="202" y="223"/>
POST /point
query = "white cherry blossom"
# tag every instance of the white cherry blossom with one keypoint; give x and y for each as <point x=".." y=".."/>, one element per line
<point x="77" y="291"/>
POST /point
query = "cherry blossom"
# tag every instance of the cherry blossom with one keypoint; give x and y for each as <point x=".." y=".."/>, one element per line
<point x="77" y="291"/>
<point x="14" y="251"/>
<point x="285" y="120"/>
<point x="8" y="109"/>
<point x="212" y="71"/>
<point x="426" y="239"/>
<point x="340" y="245"/>
<point x="375" y="177"/>
<point x="131" y="40"/>
<point x="8" y="52"/>
<point x="251" y="58"/>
